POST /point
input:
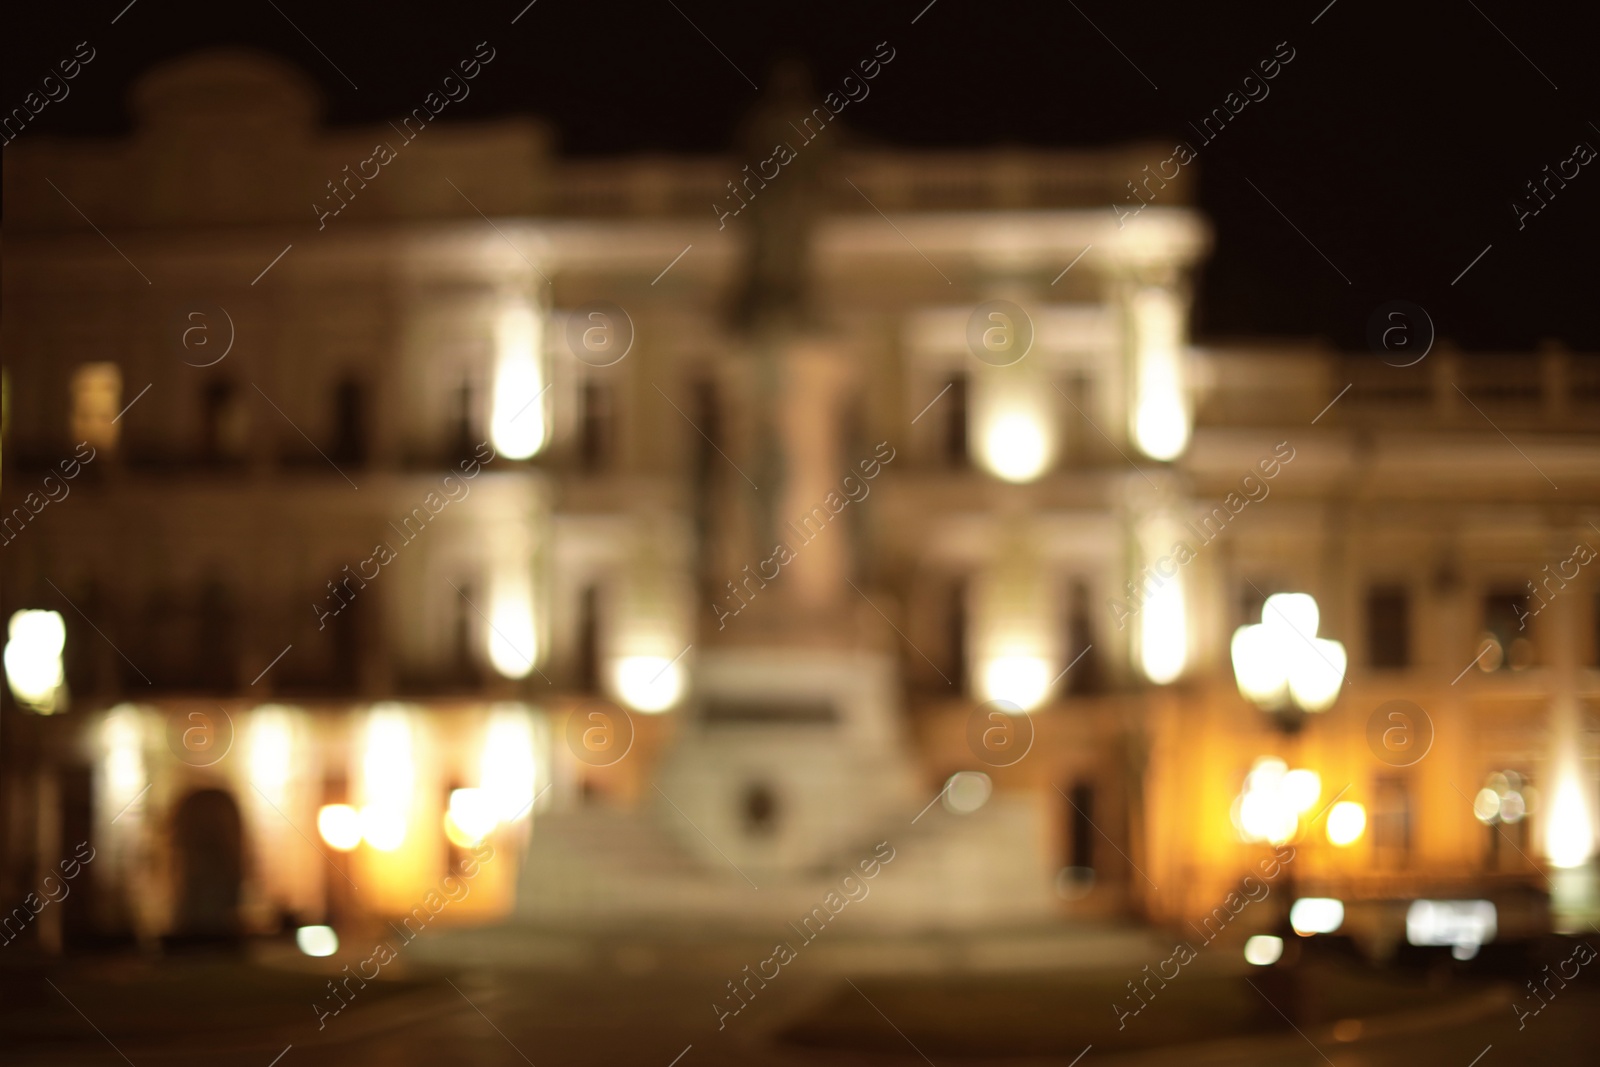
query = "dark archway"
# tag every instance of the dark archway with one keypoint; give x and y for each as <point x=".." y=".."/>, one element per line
<point x="208" y="857"/>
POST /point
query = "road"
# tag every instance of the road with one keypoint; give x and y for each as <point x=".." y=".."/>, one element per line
<point x="181" y="1015"/>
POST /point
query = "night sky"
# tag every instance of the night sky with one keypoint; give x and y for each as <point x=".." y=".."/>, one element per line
<point x="1397" y="138"/>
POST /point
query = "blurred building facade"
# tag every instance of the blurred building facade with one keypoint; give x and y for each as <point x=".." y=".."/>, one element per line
<point x="704" y="522"/>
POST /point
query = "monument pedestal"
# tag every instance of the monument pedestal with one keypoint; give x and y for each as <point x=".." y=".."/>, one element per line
<point x="791" y="760"/>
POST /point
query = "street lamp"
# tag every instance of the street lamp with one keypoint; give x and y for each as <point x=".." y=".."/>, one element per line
<point x="33" y="660"/>
<point x="1286" y="670"/>
<point x="1282" y="666"/>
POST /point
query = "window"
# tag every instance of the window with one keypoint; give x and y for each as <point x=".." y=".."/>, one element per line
<point x="708" y="422"/>
<point x="96" y="398"/>
<point x="702" y="459"/>
<point x="216" y="653"/>
<point x="1252" y="601"/>
<point x="956" y="634"/>
<point x="586" y="664"/>
<point x="1594" y="646"/>
<point x="1080" y="820"/>
<point x="463" y="436"/>
<point x="595" y="427"/>
<point x="1388" y="628"/>
<point x="1507" y="637"/>
<point x="1391" y="822"/>
<point x="463" y="659"/>
<point x="222" y="423"/>
<point x="1083" y="673"/>
<point x="955" y="423"/>
<point x="349" y="422"/>
<point x="1080" y="434"/>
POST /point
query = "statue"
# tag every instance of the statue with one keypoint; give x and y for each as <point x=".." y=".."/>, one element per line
<point x="779" y="197"/>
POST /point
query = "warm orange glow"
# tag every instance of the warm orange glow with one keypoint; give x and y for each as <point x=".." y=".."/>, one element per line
<point x="1015" y="448"/>
<point x="1346" y="823"/>
<point x="33" y="658"/>
<point x="1020" y="680"/>
<point x="513" y="637"/>
<point x="1282" y="660"/>
<point x="1569" y="836"/>
<point x="471" y="817"/>
<point x="517" y="424"/>
<point x="383" y="826"/>
<point x="508" y="770"/>
<point x="388" y="779"/>
<point x="648" y="683"/>
<point x="96" y="398"/>
<point x="1161" y="415"/>
<point x="340" y="826"/>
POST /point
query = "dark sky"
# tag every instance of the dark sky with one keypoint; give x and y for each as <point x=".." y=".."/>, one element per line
<point x="1396" y="139"/>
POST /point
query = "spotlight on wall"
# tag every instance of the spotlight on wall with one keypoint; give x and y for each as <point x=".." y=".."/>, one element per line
<point x="1020" y="680"/>
<point x="1161" y="418"/>
<point x="383" y="826"/>
<point x="470" y="818"/>
<point x="508" y="769"/>
<point x="517" y="423"/>
<point x="340" y="826"/>
<point x="1015" y="447"/>
<point x="1346" y="823"/>
<point x="1569" y="833"/>
<point x="648" y="683"/>
<point x="388" y="777"/>
<point x="1164" y="634"/>
<point x="513" y="637"/>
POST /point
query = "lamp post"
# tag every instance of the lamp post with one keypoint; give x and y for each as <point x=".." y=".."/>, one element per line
<point x="1282" y="667"/>
<point x="1286" y="670"/>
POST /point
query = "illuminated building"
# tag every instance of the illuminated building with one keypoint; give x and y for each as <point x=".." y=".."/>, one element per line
<point x="569" y="533"/>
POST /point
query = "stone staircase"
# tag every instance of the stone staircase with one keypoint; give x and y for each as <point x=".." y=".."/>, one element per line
<point x="600" y="869"/>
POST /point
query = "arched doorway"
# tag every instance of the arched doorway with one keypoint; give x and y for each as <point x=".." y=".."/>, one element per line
<point x="208" y="850"/>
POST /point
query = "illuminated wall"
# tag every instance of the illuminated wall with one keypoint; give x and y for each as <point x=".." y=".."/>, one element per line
<point x="1015" y="628"/>
<point x="519" y="420"/>
<point x="1160" y="412"/>
<point x="1013" y="428"/>
<point x="1163" y="620"/>
<point x="648" y="659"/>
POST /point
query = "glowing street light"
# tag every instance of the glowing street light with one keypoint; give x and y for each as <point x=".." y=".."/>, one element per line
<point x="340" y="826"/>
<point x="33" y="659"/>
<point x="470" y="818"/>
<point x="1274" y="800"/>
<point x="1281" y="665"/>
<point x="1020" y="680"/>
<point x="648" y="683"/>
<point x="1346" y="823"/>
